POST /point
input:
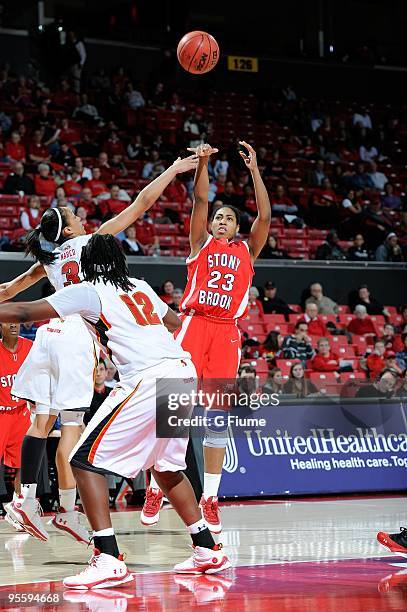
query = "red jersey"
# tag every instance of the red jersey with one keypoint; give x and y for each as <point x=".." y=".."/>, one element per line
<point x="10" y="363"/>
<point x="219" y="279"/>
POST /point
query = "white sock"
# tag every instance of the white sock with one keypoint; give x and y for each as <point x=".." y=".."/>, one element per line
<point x="211" y="485"/>
<point x="67" y="498"/>
<point x="29" y="490"/>
<point x="197" y="527"/>
<point x="15" y="496"/>
<point x="153" y="483"/>
<point x="104" y="532"/>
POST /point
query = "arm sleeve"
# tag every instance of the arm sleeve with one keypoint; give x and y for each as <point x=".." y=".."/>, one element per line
<point x="77" y="299"/>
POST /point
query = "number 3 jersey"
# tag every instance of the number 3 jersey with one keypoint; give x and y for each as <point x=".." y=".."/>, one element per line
<point x="66" y="269"/>
<point x="219" y="279"/>
<point x="132" y="322"/>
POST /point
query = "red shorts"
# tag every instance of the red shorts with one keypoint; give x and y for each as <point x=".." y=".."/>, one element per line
<point x="13" y="427"/>
<point x="215" y="346"/>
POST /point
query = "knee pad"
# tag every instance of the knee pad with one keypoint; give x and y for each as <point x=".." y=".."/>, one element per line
<point x="72" y="417"/>
<point x="215" y="441"/>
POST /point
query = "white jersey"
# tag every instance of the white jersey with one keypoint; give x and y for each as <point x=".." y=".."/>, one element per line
<point x="132" y="323"/>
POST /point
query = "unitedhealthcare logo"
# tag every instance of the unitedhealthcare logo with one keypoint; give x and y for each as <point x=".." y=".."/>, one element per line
<point x="323" y="441"/>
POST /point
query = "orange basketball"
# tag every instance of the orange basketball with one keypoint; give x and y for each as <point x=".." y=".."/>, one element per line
<point x="198" y="52"/>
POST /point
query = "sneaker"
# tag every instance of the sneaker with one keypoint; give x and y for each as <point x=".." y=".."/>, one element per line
<point x="102" y="571"/>
<point x="27" y="512"/>
<point x="211" y="513"/>
<point x="150" y="513"/>
<point x="395" y="542"/>
<point x="204" y="561"/>
<point x="205" y="588"/>
<point x="69" y="523"/>
<point x="17" y="526"/>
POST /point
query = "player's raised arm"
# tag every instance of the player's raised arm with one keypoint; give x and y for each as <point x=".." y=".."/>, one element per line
<point x="261" y="225"/>
<point x="21" y="283"/>
<point x="22" y="312"/>
<point x="198" y="232"/>
<point x="147" y="197"/>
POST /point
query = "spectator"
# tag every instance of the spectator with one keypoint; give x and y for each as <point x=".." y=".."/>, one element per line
<point x="362" y="324"/>
<point x="5" y="122"/>
<point x="146" y="235"/>
<point x="96" y="185"/>
<point x="167" y="289"/>
<point x="271" y="346"/>
<point x="318" y="174"/>
<point x="373" y="307"/>
<point x="324" y="303"/>
<point x="325" y="360"/>
<point x="135" y="148"/>
<point x="133" y="97"/>
<point x="255" y="307"/>
<point x="87" y="112"/>
<point x="38" y="151"/>
<point x="316" y="327"/>
<point x="330" y="249"/>
<point x="90" y="226"/>
<point x="362" y="119"/>
<point x="281" y="203"/>
<point x="229" y="197"/>
<point x="73" y="186"/>
<point x="175" y="192"/>
<point x="114" y="146"/>
<point x="221" y="165"/>
<point x="389" y="200"/>
<point x="379" y="179"/>
<point x="401" y="356"/>
<point x="130" y="245"/>
<point x="351" y="212"/>
<point x="297" y="384"/>
<point x="368" y="153"/>
<point x="85" y="173"/>
<point x="358" y="251"/>
<point x="68" y="135"/>
<point x="31" y="217"/>
<point x="195" y="129"/>
<point x="14" y="149"/>
<point x="274" y="383"/>
<point x="154" y="167"/>
<point x="273" y="304"/>
<point x="271" y="250"/>
<point x="17" y="182"/>
<point x="390" y="250"/>
<point x="44" y="184"/>
<point x="298" y="346"/>
<point x="392" y="341"/>
<point x="111" y="374"/>
<point x="383" y="387"/>
<point x="158" y="97"/>
<point x="390" y="361"/>
<point x="375" y="359"/>
<point x="76" y="58"/>
<point x="177" y="295"/>
<point x="117" y="202"/>
<point x="361" y="180"/>
<point x="89" y="203"/>
<point x="100" y="390"/>
<point x="65" y="156"/>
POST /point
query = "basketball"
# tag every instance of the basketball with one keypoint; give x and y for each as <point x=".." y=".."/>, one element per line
<point x="198" y="52"/>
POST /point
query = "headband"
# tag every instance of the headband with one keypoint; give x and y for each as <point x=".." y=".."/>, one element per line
<point x="58" y="212"/>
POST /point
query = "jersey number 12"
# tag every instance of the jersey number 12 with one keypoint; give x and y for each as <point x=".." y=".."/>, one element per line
<point x="142" y="308"/>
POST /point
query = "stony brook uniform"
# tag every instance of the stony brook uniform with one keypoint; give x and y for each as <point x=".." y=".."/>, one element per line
<point x="216" y="296"/>
<point x="121" y="436"/>
<point x="59" y="372"/>
<point x="14" y="412"/>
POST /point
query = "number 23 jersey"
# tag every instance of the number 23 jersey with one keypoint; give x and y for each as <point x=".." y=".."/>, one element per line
<point x="219" y="279"/>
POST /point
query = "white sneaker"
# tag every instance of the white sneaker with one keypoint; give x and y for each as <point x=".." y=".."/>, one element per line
<point x="205" y="588"/>
<point x="17" y="526"/>
<point x="69" y="522"/>
<point x="204" y="561"/>
<point x="27" y="512"/>
<point x="102" y="571"/>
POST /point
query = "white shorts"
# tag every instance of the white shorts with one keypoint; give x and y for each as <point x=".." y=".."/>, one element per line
<point x="59" y="370"/>
<point x="68" y="417"/>
<point x="121" y="436"/>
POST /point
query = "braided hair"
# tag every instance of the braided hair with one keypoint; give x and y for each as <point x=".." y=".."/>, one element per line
<point x="51" y="226"/>
<point x="103" y="259"/>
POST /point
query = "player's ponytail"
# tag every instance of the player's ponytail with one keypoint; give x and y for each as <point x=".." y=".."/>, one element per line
<point x="50" y="229"/>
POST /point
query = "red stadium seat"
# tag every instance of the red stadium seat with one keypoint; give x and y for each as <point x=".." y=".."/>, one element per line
<point x="343" y="309"/>
<point x="345" y="319"/>
<point x="345" y="351"/>
<point x="163" y="229"/>
<point x="379" y="320"/>
<point x="359" y="375"/>
<point x="274" y="319"/>
<point x="338" y="341"/>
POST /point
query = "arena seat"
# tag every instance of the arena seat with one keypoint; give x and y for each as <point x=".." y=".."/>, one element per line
<point x="285" y="365"/>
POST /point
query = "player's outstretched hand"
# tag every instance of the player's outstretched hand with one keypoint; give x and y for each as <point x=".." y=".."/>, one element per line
<point x="186" y="164"/>
<point x="3" y="292"/>
<point x="249" y="158"/>
<point x="203" y="150"/>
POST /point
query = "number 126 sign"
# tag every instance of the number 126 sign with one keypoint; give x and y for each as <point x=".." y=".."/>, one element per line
<point x="243" y="64"/>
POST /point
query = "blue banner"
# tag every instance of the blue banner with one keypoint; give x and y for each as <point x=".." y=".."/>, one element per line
<point x="317" y="448"/>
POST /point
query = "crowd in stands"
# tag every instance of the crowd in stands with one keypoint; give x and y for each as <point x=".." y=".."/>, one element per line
<point x="336" y="172"/>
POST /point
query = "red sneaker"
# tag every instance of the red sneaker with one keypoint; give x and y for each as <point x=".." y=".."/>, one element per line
<point x="395" y="542"/>
<point x="150" y="513"/>
<point x="211" y="513"/>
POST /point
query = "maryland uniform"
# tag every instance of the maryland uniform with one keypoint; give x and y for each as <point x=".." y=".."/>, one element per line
<point x="121" y="436"/>
<point x="59" y="372"/>
<point x="216" y="296"/>
<point x="14" y="412"/>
